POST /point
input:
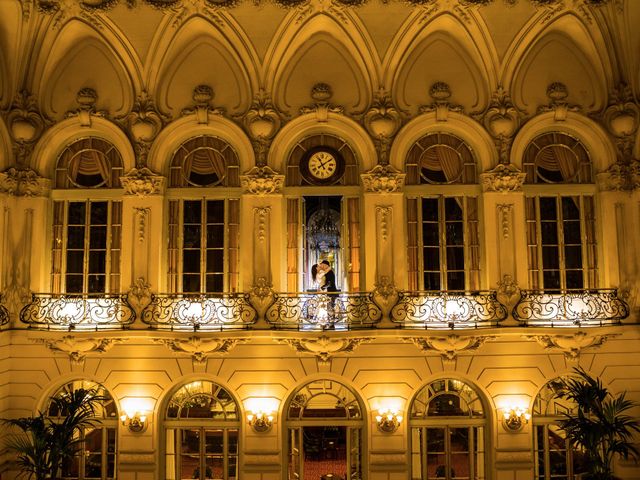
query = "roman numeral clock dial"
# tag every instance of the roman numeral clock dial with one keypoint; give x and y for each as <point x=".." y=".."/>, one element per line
<point x="322" y="166"/>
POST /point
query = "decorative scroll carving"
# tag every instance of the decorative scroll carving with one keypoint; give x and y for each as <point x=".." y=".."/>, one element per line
<point x="384" y="214"/>
<point x="142" y="213"/>
<point x="584" y="308"/>
<point x="508" y="293"/>
<point x="621" y="117"/>
<point x="623" y="175"/>
<point x="262" y="296"/>
<point x="440" y="93"/>
<point x="385" y="295"/>
<point x="323" y="347"/>
<point x="321" y="93"/>
<point x="505" y="210"/>
<point x="86" y="98"/>
<point x="26" y="125"/>
<point x="262" y="121"/>
<point x="199" y="348"/>
<point x="4" y="313"/>
<point x="382" y="121"/>
<point x="202" y="97"/>
<point x="262" y="180"/>
<point x="78" y="348"/>
<point x="199" y="312"/>
<point x="24" y="183"/>
<point x="142" y="182"/>
<point x="382" y="179"/>
<point x="557" y="93"/>
<point x="503" y="178"/>
<point x="449" y="346"/>
<point x="82" y="312"/>
<point x="571" y="345"/>
<point x="450" y="310"/>
<point x="319" y="311"/>
<point x="139" y="294"/>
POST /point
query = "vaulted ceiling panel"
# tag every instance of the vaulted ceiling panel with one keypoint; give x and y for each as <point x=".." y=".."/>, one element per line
<point x="79" y="59"/>
<point x="139" y="34"/>
<point x="505" y="28"/>
<point x="259" y="22"/>
<point x="383" y="19"/>
<point x="10" y="33"/>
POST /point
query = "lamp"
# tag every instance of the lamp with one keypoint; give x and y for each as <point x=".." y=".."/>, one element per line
<point x="135" y="421"/>
<point x="388" y="420"/>
<point x="514" y="417"/>
<point x="260" y="421"/>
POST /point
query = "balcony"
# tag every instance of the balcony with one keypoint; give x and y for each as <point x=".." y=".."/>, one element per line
<point x="78" y="312"/>
<point x="571" y="308"/>
<point x="448" y="310"/>
<point x="4" y="315"/>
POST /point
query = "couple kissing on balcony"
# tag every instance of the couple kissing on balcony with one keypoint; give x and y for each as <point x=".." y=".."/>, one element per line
<point x="324" y="277"/>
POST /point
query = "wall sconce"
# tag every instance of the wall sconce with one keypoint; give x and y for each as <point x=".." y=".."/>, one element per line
<point x="388" y="420"/>
<point x="135" y="421"/>
<point x="260" y="421"/>
<point x="514" y="418"/>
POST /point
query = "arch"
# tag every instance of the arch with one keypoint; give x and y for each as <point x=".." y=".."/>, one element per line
<point x="461" y="126"/>
<point x="308" y="125"/>
<point x="55" y="140"/>
<point x="181" y="130"/>
<point x="440" y="386"/>
<point x="348" y="401"/>
<point x="599" y="145"/>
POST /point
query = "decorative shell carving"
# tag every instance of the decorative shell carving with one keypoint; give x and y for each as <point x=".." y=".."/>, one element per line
<point x="24" y="183"/>
<point x="78" y="348"/>
<point x="26" y="125"/>
<point x="382" y="179"/>
<point x="199" y="348"/>
<point x="324" y="347"/>
<point x="503" y="178"/>
<point x="142" y="182"/>
<point x="450" y="345"/>
<point x="382" y="121"/>
<point x="262" y="180"/>
<point x="571" y="345"/>
<point x="262" y="121"/>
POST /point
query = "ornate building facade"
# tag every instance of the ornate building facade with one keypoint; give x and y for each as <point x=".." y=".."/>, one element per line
<point x="173" y="171"/>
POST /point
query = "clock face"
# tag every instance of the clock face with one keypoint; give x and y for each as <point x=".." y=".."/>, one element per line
<point x="322" y="166"/>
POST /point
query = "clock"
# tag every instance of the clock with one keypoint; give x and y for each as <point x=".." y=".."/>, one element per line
<point x="322" y="166"/>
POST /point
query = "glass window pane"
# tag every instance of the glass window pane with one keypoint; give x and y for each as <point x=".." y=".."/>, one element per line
<point x="573" y="257"/>
<point x="432" y="259"/>
<point x="453" y="208"/>
<point x="431" y="280"/>
<point x="215" y="236"/>
<point x="74" y="283"/>
<point x="455" y="281"/>
<point x="77" y="213"/>
<point x="430" y="209"/>
<point x="572" y="232"/>
<point x="454" y="233"/>
<point x="215" y="283"/>
<point x="215" y="261"/>
<point x="548" y="208"/>
<point x="98" y="237"/>
<point x="215" y="211"/>
<point x="430" y="234"/>
<point x="192" y="212"/>
<point x="75" y="261"/>
<point x="75" y="237"/>
<point x="191" y="238"/>
<point x="96" y="283"/>
<point x="99" y="211"/>
<point x="191" y="261"/>
<point x="97" y="262"/>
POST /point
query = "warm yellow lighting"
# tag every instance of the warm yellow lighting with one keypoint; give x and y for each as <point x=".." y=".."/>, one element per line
<point x="515" y="417"/>
<point x="134" y="416"/>
<point x="388" y="420"/>
<point x="260" y="414"/>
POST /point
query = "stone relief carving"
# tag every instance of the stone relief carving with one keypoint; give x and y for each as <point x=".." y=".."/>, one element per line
<point x="571" y="345"/>
<point x="321" y="93"/>
<point x="505" y="209"/>
<point x="557" y="93"/>
<point x="203" y="96"/>
<point x="86" y="98"/>
<point x="24" y="183"/>
<point x="382" y="121"/>
<point x="503" y="178"/>
<point x="385" y="295"/>
<point x="450" y="345"/>
<point x="384" y="215"/>
<point x="199" y="348"/>
<point x="78" y="348"/>
<point x="508" y="292"/>
<point x="262" y="180"/>
<point x="440" y="93"/>
<point x="323" y="347"/>
<point x="26" y="125"/>
<point x="623" y="175"/>
<point x="382" y="179"/>
<point x="142" y="214"/>
<point x="262" y="121"/>
<point x="262" y="296"/>
<point x="142" y="182"/>
<point x="139" y="294"/>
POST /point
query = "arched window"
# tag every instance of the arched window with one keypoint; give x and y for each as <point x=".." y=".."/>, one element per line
<point x="560" y="214"/>
<point x="554" y="456"/>
<point x="202" y="422"/>
<point x="324" y="425"/>
<point x="203" y="227"/>
<point x="96" y="457"/>
<point x="87" y="232"/>
<point x="448" y="432"/>
<point x="443" y="240"/>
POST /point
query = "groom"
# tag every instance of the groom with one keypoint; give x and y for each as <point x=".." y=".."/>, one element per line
<point x="329" y="277"/>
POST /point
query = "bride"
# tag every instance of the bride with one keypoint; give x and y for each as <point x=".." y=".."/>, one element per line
<point x="317" y="275"/>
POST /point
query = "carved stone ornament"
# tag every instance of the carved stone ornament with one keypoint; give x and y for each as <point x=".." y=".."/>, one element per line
<point x="24" y="183"/>
<point x="202" y="97"/>
<point x="450" y="345"/>
<point x="142" y="182"/>
<point x="385" y="295"/>
<point x="26" y="125"/>
<point x="382" y="121"/>
<point x="382" y="179"/>
<point x="86" y="99"/>
<point x="199" y="348"/>
<point x="509" y="292"/>
<point x="621" y="176"/>
<point x="139" y="294"/>
<point x="78" y="348"/>
<point x="321" y="93"/>
<point x="262" y="296"/>
<point x="262" y="121"/>
<point x="262" y="180"/>
<point x="440" y="93"/>
<point x="503" y="178"/>
<point x="502" y="120"/>
<point x="324" y="347"/>
<point x="571" y="345"/>
<point x="557" y="93"/>
<point x="621" y="119"/>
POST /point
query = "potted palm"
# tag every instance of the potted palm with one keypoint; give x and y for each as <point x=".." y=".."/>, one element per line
<point x="600" y="426"/>
<point x="45" y="442"/>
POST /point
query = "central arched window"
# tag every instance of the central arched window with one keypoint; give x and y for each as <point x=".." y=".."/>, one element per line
<point x="448" y="432"/>
<point x="324" y="432"/>
<point x="554" y="456"/>
<point x="96" y="457"/>
<point x="202" y="423"/>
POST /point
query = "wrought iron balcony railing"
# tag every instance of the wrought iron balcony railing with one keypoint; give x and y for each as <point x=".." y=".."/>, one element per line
<point x="323" y="311"/>
<point x="4" y="314"/>
<point x="571" y="308"/>
<point x="194" y="312"/>
<point x="78" y="312"/>
<point x="448" y="310"/>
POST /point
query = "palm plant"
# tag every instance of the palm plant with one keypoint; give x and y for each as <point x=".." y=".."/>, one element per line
<point x="600" y="426"/>
<point x="44" y="443"/>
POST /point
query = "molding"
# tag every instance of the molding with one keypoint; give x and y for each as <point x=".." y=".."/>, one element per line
<point x="503" y="178"/>
<point x="571" y="345"/>
<point x="324" y="347"/>
<point x="142" y="182"/>
<point x="262" y="180"/>
<point x="78" y="348"/>
<point x="199" y="347"/>
<point x="449" y="346"/>
<point x="382" y="179"/>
